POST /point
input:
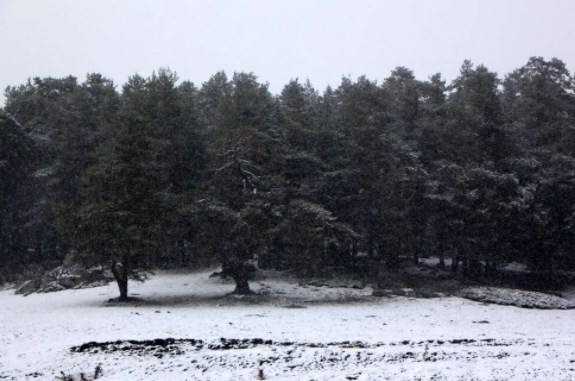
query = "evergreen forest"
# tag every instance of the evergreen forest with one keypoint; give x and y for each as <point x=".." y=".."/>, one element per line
<point x="363" y="178"/>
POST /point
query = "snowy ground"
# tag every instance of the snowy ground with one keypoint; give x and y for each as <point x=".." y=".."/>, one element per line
<point x="307" y="334"/>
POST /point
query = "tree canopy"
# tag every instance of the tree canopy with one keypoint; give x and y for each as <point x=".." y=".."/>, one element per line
<point x="165" y="172"/>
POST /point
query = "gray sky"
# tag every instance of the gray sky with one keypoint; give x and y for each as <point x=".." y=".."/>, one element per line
<point x="278" y="40"/>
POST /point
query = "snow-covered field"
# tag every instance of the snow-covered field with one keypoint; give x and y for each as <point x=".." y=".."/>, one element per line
<point x="308" y="333"/>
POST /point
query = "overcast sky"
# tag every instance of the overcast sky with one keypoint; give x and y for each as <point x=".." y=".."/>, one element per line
<point x="278" y="39"/>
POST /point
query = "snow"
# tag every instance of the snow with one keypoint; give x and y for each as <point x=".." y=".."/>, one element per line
<point x="515" y="267"/>
<point x="434" y="261"/>
<point x="389" y="338"/>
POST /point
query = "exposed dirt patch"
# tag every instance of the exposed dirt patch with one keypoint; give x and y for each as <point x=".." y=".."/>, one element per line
<point x="196" y="358"/>
<point x="176" y="346"/>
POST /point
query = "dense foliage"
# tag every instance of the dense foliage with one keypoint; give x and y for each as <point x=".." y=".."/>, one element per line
<point x="357" y="178"/>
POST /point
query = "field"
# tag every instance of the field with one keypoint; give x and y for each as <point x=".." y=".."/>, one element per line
<point x="185" y="327"/>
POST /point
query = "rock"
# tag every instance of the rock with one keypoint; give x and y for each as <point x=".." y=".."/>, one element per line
<point x="427" y="293"/>
<point x="73" y="277"/>
<point x="69" y="281"/>
<point x="336" y="283"/>
<point x="28" y="287"/>
<point x="355" y="284"/>
<point x="97" y="283"/>
<point x="51" y="287"/>
<point x="514" y="297"/>
<point x="382" y="292"/>
<point x="408" y="291"/>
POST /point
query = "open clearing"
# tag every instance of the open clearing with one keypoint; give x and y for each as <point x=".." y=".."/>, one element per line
<point x="289" y="332"/>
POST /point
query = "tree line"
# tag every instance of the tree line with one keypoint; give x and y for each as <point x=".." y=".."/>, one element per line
<point x="357" y="178"/>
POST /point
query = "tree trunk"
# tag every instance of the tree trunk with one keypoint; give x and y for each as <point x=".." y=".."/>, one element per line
<point x="474" y="268"/>
<point x="370" y="247"/>
<point x="490" y="270"/>
<point x="442" y="260"/>
<point x="454" y="262"/>
<point x="240" y="276"/>
<point x="123" y="287"/>
<point x="120" y="271"/>
<point x="465" y="266"/>
<point x="371" y="234"/>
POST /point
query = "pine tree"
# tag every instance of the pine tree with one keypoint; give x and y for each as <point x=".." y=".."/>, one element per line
<point x="18" y="155"/>
<point x="475" y="128"/>
<point x="243" y="144"/>
<point x="120" y="218"/>
<point x="539" y="103"/>
<point x="65" y="119"/>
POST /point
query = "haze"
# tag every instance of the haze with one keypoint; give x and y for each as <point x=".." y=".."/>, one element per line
<point x="277" y="40"/>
